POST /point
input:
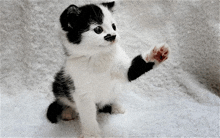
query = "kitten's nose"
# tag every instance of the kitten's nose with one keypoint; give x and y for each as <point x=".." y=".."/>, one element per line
<point x="109" y="37"/>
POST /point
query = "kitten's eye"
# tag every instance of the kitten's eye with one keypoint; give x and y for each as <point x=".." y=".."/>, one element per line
<point x="113" y="26"/>
<point x="98" y="30"/>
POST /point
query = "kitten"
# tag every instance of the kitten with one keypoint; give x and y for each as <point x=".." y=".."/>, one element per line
<point x="94" y="65"/>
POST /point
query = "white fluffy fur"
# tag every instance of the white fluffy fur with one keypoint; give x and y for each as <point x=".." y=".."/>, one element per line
<point x="96" y="66"/>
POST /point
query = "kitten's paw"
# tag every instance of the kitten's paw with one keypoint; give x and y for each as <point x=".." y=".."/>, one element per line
<point x="68" y="114"/>
<point x="158" y="54"/>
<point x="117" y="109"/>
<point x="91" y="130"/>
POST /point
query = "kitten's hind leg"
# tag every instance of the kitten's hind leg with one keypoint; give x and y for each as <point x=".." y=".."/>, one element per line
<point x="54" y="111"/>
<point x="70" y="111"/>
<point x="106" y="109"/>
<point x="69" y="114"/>
<point x="61" y="109"/>
<point x="113" y="108"/>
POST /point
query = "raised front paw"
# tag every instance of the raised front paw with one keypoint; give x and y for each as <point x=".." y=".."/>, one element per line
<point x="158" y="54"/>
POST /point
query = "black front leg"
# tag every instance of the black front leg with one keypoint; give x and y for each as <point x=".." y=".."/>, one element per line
<point x="146" y="62"/>
<point x="139" y="67"/>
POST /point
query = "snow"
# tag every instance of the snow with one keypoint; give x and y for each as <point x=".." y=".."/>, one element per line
<point x="179" y="98"/>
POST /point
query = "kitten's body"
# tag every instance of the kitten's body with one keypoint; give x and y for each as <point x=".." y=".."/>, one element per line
<point x="95" y="65"/>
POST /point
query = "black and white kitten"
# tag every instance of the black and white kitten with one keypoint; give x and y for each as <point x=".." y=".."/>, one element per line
<point x="94" y="64"/>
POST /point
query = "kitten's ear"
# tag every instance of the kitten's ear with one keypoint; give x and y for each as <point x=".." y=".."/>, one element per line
<point x="69" y="16"/>
<point x="109" y="5"/>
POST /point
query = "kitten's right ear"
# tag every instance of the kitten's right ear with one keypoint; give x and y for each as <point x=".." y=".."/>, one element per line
<point x="69" y="17"/>
<point x="109" y="5"/>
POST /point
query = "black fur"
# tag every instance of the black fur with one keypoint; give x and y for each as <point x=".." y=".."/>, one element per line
<point x="63" y="85"/>
<point x="109" y="37"/>
<point x="138" y="67"/>
<point x="109" y="5"/>
<point x="76" y="20"/>
<point x="106" y="109"/>
<point x="54" y="111"/>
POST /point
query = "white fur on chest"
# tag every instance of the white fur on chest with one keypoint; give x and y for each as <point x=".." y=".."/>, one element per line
<point x="93" y="76"/>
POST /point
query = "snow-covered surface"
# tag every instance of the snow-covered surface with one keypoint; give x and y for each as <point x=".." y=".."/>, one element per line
<point x="176" y="99"/>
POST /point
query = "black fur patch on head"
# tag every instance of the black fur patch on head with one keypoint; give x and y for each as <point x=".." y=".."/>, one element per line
<point x="76" y="20"/>
<point x="138" y="67"/>
<point x="109" y="5"/>
<point x="63" y="85"/>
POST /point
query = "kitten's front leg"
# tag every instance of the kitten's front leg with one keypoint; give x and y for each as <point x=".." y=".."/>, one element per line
<point x="87" y="113"/>
<point x="147" y="61"/>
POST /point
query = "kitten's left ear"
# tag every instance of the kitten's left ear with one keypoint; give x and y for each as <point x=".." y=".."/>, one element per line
<point x="109" y="5"/>
<point x="69" y="17"/>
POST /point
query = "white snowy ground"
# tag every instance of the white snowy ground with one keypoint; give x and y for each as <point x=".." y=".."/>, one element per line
<point x="176" y="99"/>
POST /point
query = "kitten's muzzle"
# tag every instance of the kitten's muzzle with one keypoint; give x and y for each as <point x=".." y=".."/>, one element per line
<point x="110" y="37"/>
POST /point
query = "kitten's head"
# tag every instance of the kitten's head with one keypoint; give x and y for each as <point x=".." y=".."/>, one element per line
<point x="89" y="28"/>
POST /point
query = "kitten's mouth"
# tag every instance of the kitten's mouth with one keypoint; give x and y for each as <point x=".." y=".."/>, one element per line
<point x="110" y="43"/>
<point x="114" y="41"/>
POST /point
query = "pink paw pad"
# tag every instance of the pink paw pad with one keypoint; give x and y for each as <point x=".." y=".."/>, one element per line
<point x="68" y="114"/>
<point x="159" y="54"/>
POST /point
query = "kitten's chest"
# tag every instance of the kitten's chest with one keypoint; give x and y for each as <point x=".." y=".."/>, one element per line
<point x="101" y="63"/>
<point x="93" y="80"/>
<point x="92" y="70"/>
